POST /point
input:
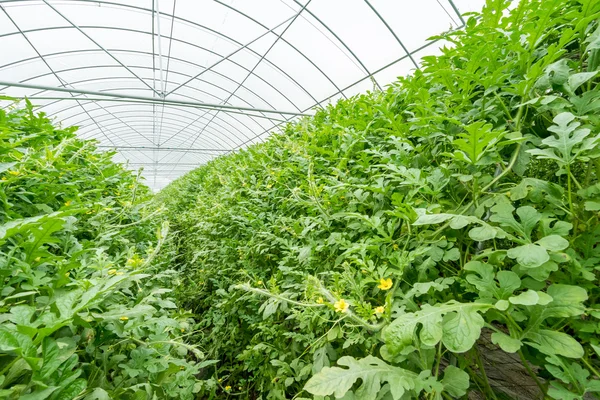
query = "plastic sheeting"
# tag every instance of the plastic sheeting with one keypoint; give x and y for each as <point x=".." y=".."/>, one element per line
<point x="171" y="84"/>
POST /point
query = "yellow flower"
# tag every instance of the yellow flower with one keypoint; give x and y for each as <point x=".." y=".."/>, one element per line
<point x="112" y="271"/>
<point x="227" y="388"/>
<point x="14" y="173"/>
<point x="68" y="203"/>
<point x="119" y="273"/>
<point x="395" y="246"/>
<point x="182" y="367"/>
<point x="220" y="379"/>
<point x="341" y="306"/>
<point x="239" y="387"/>
<point x="4" y="178"/>
<point x="182" y="330"/>
<point x="269" y="186"/>
<point x="124" y="318"/>
<point x="67" y="274"/>
<point x="385" y="284"/>
<point x="259" y="282"/>
<point x="320" y="300"/>
<point x="379" y="310"/>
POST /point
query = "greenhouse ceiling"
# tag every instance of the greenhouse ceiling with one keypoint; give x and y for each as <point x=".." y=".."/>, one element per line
<point x="171" y="84"/>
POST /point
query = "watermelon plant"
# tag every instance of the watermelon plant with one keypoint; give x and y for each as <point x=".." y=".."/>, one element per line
<point x="85" y="308"/>
<point x="388" y="246"/>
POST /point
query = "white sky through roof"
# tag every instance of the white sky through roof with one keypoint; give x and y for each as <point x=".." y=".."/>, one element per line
<point x="171" y="84"/>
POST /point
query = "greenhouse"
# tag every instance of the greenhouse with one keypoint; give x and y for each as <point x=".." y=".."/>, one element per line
<point x="300" y="199"/>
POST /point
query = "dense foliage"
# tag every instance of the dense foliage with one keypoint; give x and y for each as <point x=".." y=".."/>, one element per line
<point x="84" y="309"/>
<point x="394" y="231"/>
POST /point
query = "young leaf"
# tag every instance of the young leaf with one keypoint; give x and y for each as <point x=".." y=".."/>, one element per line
<point x="371" y="370"/>
<point x="506" y="343"/>
<point x="455" y="381"/>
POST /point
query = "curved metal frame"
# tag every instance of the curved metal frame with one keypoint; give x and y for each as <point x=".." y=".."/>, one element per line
<point x="157" y="115"/>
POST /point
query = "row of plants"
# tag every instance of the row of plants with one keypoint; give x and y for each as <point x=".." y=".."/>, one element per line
<point x="85" y="306"/>
<point x="383" y="248"/>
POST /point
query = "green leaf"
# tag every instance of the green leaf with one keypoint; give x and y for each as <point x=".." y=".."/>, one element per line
<point x="478" y="141"/>
<point x="567" y="301"/>
<point x="484" y="232"/>
<point x="506" y="343"/>
<point x="431" y="219"/>
<point x="529" y="255"/>
<point x="553" y="342"/>
<point x="458" y="325"/>
<point x="527" y="298"/>
<point x="370" y="370"/>
<point x="568" y="143"/>
<point x="576" y="80"/>
<point x="40" y="394"/>
<point x="455" y="381"/>
<point x="73" y="390"/>
<point x="553" y="242"/>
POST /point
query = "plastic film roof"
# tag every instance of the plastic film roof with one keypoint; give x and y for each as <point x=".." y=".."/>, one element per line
<point x="171" y="84"/>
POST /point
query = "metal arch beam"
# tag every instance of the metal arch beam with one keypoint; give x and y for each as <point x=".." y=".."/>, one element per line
<point x="212" y="139"/>
<point x="389" y="28"/>
<point x="283" y="40"/>
<point x="259" y="61"/>
<point x="349" y="86"/>
<point x="162" y="149"/>
<point x="119" y="105"/>
<point x="136" y="52"/>
<point x="254" y="68"/>
<point x="195" y="115"/>
<point x="97" y="99"/>
<point x="146" y="33"/>
<point x="61" y="81"/>
<point x="216" y="33"/>
<point x="396" y="61"/>
<point x="217" y="140"/>
<point x="121" y="96"/>
<point x="96" y="43"/>
<point x="457" y="11"/>
<point x="341" y="41"/>
<point x="191" y="116"/>
<point x="209" y="68"/>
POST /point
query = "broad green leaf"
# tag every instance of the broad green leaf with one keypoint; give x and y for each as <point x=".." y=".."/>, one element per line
<point x="72" y="390"/>
<point x="553" y="242"/>
<point x="372" y="371"/>
<point x="4" y="166"/>
<point x="567" y="301"/>
<point x="527" y="298"/>
<point x="431" y="219"/>
<point x="461" y="330"/>
<point x="455" y="381"/>
<point x="576" y="80"/>
<point x="40" y="394"/>
<point x="506" y="343"/>
<point x="530" y="298"/>
<point x="554" y="342"/>
<point x="529" y="255"/>
<point x="22" y="314"/>
<point x="568" y="143"/>
<point x="458" y="325"/>
<point x="484" y="232"/>
<point x="478" y="140"/>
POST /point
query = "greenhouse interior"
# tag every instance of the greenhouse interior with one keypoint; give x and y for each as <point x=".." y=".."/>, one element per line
<point x="300" y="199"/>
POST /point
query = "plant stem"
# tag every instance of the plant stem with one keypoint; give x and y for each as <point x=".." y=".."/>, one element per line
<point x="531" y="373"/>
<point x="591" y="367"/>
<point x="483" y="374"/>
